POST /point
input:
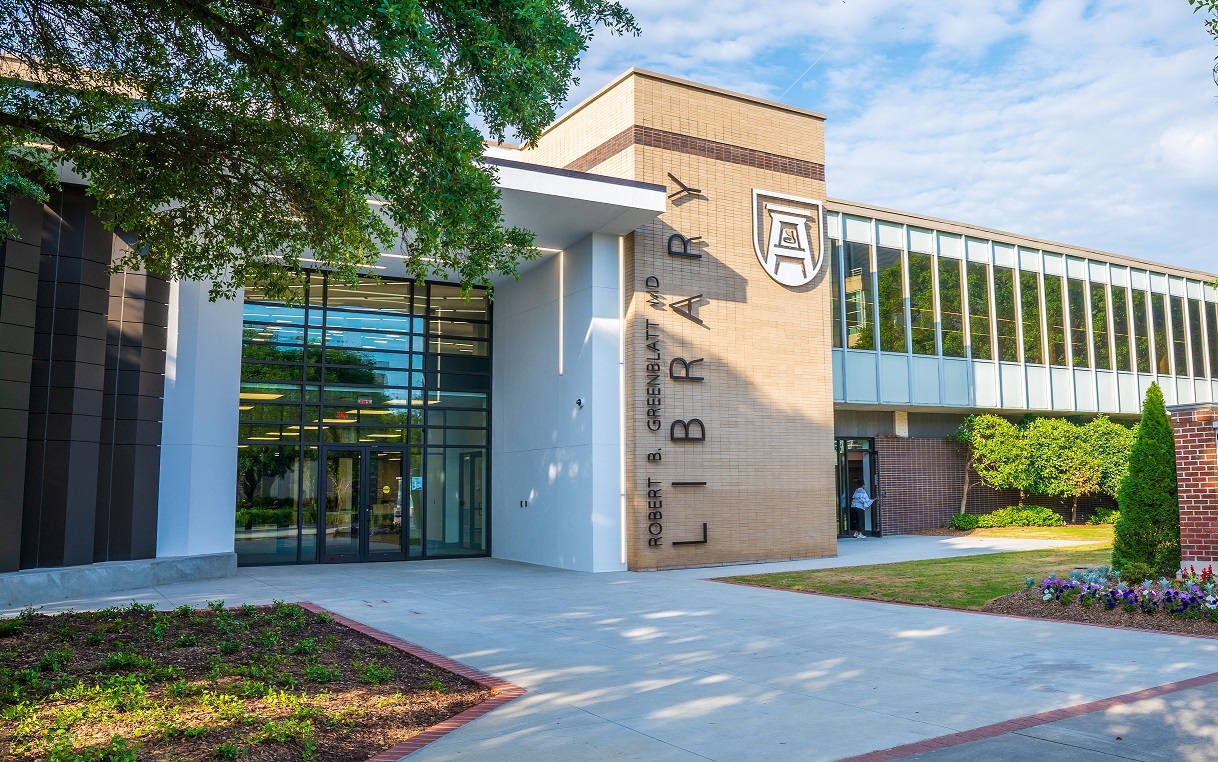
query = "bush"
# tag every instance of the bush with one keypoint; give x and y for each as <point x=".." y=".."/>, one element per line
<point x="1021" y="516"/>
<point x="964" y="521"/>
<point x="1148" y="532"/>
<point x="1105" y="515"/>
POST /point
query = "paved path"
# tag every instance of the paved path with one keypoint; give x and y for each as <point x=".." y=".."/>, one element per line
<point x="668" y="665"/>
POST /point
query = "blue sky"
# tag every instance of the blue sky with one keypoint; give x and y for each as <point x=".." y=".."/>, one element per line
<point x="1090" y="123"/>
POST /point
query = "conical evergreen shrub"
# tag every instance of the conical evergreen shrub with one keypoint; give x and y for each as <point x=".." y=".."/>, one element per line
<point x="1147" y="536"/>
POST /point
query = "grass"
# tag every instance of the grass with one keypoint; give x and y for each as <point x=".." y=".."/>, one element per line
<point x="1076" y="532"/>
<point x="964" y="582"/>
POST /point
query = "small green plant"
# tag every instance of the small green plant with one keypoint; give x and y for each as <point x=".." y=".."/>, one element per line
<point x="127" y="660"/>
<point x="373" y="672"/>
<point x="54" y="660"/>
<point x="185" y="611"/>
<point x="434" y="684"/>
<point x="229" y="647"/>
<point x="964" y="521"/>
<point x="186" y="641"/>
<point x="321" y="673"/>
<point x="330" y="642"/>
<point x="304" y="647"/>
<point x="231" y="751"/>
<point x="1104" y="515"/>
<point x="216" y="606"/>
<point x="10" y="627"/>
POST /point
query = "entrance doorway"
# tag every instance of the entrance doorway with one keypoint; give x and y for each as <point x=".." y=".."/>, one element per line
<point x="370" y="503"/>
<point x="857" y="463"/>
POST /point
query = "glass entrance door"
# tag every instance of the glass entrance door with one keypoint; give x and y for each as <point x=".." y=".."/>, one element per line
<point x="368" y="503"/>
<point x="857" y="466"/>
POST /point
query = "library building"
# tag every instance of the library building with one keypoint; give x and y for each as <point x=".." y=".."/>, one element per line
<point x="709" y="357"/>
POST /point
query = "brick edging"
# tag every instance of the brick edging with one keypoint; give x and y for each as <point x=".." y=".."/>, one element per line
<point x="969" y="611"/>
<point x="1023" y="723"/>
<point x="502" y="689"/>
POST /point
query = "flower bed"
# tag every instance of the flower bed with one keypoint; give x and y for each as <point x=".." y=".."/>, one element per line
<point x="1188" y="604"/>
<point x="255" y="683"/>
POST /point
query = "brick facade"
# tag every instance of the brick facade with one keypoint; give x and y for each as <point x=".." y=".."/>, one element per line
<point x="1197" y="481"/>
<point x="921" y="483"/>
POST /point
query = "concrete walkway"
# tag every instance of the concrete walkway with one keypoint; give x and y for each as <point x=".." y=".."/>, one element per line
<point x="671" y="666"/>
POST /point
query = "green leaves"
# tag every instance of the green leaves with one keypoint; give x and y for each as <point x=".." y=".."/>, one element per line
<point x="238" y="141"/>
<point x="1148" y="531"/>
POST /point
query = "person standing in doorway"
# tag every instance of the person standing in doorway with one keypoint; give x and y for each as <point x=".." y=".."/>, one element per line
<point x="858" y="509"/>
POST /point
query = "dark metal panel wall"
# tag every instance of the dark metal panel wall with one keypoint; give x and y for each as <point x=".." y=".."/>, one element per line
<point x="18" y="302"/>
<point x="95" y="386"/>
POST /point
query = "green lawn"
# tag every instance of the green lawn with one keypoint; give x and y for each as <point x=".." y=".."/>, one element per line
<point x="966" y="582"/>
<point x="1077" y="532"/>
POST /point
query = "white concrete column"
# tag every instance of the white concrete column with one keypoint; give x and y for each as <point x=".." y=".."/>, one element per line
<point x="556" y="436"/>
<point x="199" y="429"/>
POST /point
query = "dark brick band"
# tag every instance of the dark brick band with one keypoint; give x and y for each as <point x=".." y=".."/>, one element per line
<point x="709" y="149"/>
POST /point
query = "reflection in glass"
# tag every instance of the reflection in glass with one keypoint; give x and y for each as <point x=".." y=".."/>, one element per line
<point x="835" y="296"/>
<point x="1006" y="322"/>
<point x="951" y="306"/>
<point x="1120" y="328"/>
<point x="1178" y="337"/>
<point x="448" y="302"/>
<point x="387" y="296"/>
<point x="1141" y="331"/>
<point x="388" y="501"/>
<point x="343" y="477"/>
<point x="1212" y="315"/>
<point x="892" y="299"/>
<point x="1029" y="298"/>
<point x="1055" y="318"/>
<point x="1099" y="326"/>
<point x="308" y="505"/>
<point x="859" y="296"/>
<point x="1196" y="339"/>
<point x="1079" y="349"/>
<point x="266" y="514"/>
<point x="922" y="303"/>
<point x="979" y="310"/>
<point x="455" y="519"/>
<point x="1158" y="307"/>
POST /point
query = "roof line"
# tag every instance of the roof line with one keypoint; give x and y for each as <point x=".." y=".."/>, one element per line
<point x="1004" y="236"/>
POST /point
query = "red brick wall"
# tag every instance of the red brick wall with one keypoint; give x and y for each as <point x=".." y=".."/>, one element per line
<point x="921" y="482"/>
<point x="1197" y="481"/>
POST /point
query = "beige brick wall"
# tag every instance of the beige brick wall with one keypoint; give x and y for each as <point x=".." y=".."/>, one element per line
<point x="767" y="399"/>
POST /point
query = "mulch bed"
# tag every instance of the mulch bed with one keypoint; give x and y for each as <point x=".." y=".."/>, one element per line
<point x="1029" y="604"/>
<point x="256" y="683"/>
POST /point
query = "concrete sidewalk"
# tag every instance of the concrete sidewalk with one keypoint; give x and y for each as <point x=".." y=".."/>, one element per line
<point x="668" y="665"/>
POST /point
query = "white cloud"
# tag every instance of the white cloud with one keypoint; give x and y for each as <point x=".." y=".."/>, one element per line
<point x="1093" y="122"/>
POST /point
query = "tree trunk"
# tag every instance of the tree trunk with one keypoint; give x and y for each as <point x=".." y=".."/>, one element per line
<point x="964" y="497"/>
<point x="1021" y="498"/>
<point x="1074" y="510"/>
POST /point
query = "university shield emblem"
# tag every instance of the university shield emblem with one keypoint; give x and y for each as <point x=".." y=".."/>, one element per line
<point x="787" y="236"/>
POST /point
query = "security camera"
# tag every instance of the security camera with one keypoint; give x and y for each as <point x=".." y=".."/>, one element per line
<point x="579" y="402"/>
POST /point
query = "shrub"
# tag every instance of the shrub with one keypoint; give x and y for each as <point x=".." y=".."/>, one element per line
<point x="1148" y="531"/>
<point x="1021" y="516"/>
<point x="964" y="521"/>
<point x="1105" y="515"/>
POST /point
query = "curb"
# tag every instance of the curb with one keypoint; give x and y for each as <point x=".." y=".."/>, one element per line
<point x="503" y="690"/>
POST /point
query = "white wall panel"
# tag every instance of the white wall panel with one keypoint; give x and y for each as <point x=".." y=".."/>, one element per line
<point x="894" y="378"/>
<point x="1097" y="271"/>
<point x="955" y="382"/>
<point x="985" y="384"/>
<point x="1011" y="384"/>
<point x="858" y="229"/>
<point x="1029" y="259"/>
<point x="839" y="375"/>
<point x="1105" y="383"/>
<point x="1158" y="283"/>
<point x="1076" y="268"/>
<point x="1120" y="276"/>
<point x="950" y="246"/>
<point x="1168" y="385"/>
<point x="1128" y="391"/>
<point x="860" y="377"/>
<point x="1193" y="289"/>
<point x="924" y="378"/>
<point x="1185" y="394"/>
<point x="1004" y="255"/>
<point x="921" y="240"/>
<point x="1202" y="391"/>
<point x="1084" y="391"/>
<point x="1055" y="264"/>
<point x="892" y="235"/>
<point x="1140" y="280"/>
<point x="833" y="224"/>
<point x="977" y="250"/>
<point x="1175" y="286"/>
<point x="1038" y="387"/>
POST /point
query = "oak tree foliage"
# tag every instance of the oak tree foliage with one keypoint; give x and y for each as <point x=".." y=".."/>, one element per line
<point x="233" y="138"/>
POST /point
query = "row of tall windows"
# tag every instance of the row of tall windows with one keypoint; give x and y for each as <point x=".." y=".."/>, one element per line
<point x="1013" y="314"/>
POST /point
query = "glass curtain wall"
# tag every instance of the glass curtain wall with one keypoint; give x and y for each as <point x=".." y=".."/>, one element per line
<point x="381" y="394"/>
<point x="1055" y="317"/>
<point x="1178" y="337"/>
<point x="835" y="298"/>
<point x="1029" y="297"/>
<point x="1196" y="338"/>
<point x="1141" y="330"/>
<point x="979" y="311"/>
<point x="1079" y="350"/>
<point x="1099" y="327"/>
<point x="1158" y="304"/>
<point x="859" y="296"/>
<point x="922" y="303"/>
<point x="951" y="306"/>
<point x="1006" y="317"/>
<point x="1212" y="317"/>
<point x="1120" y="328"/>
<point x="891" y="275"/>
